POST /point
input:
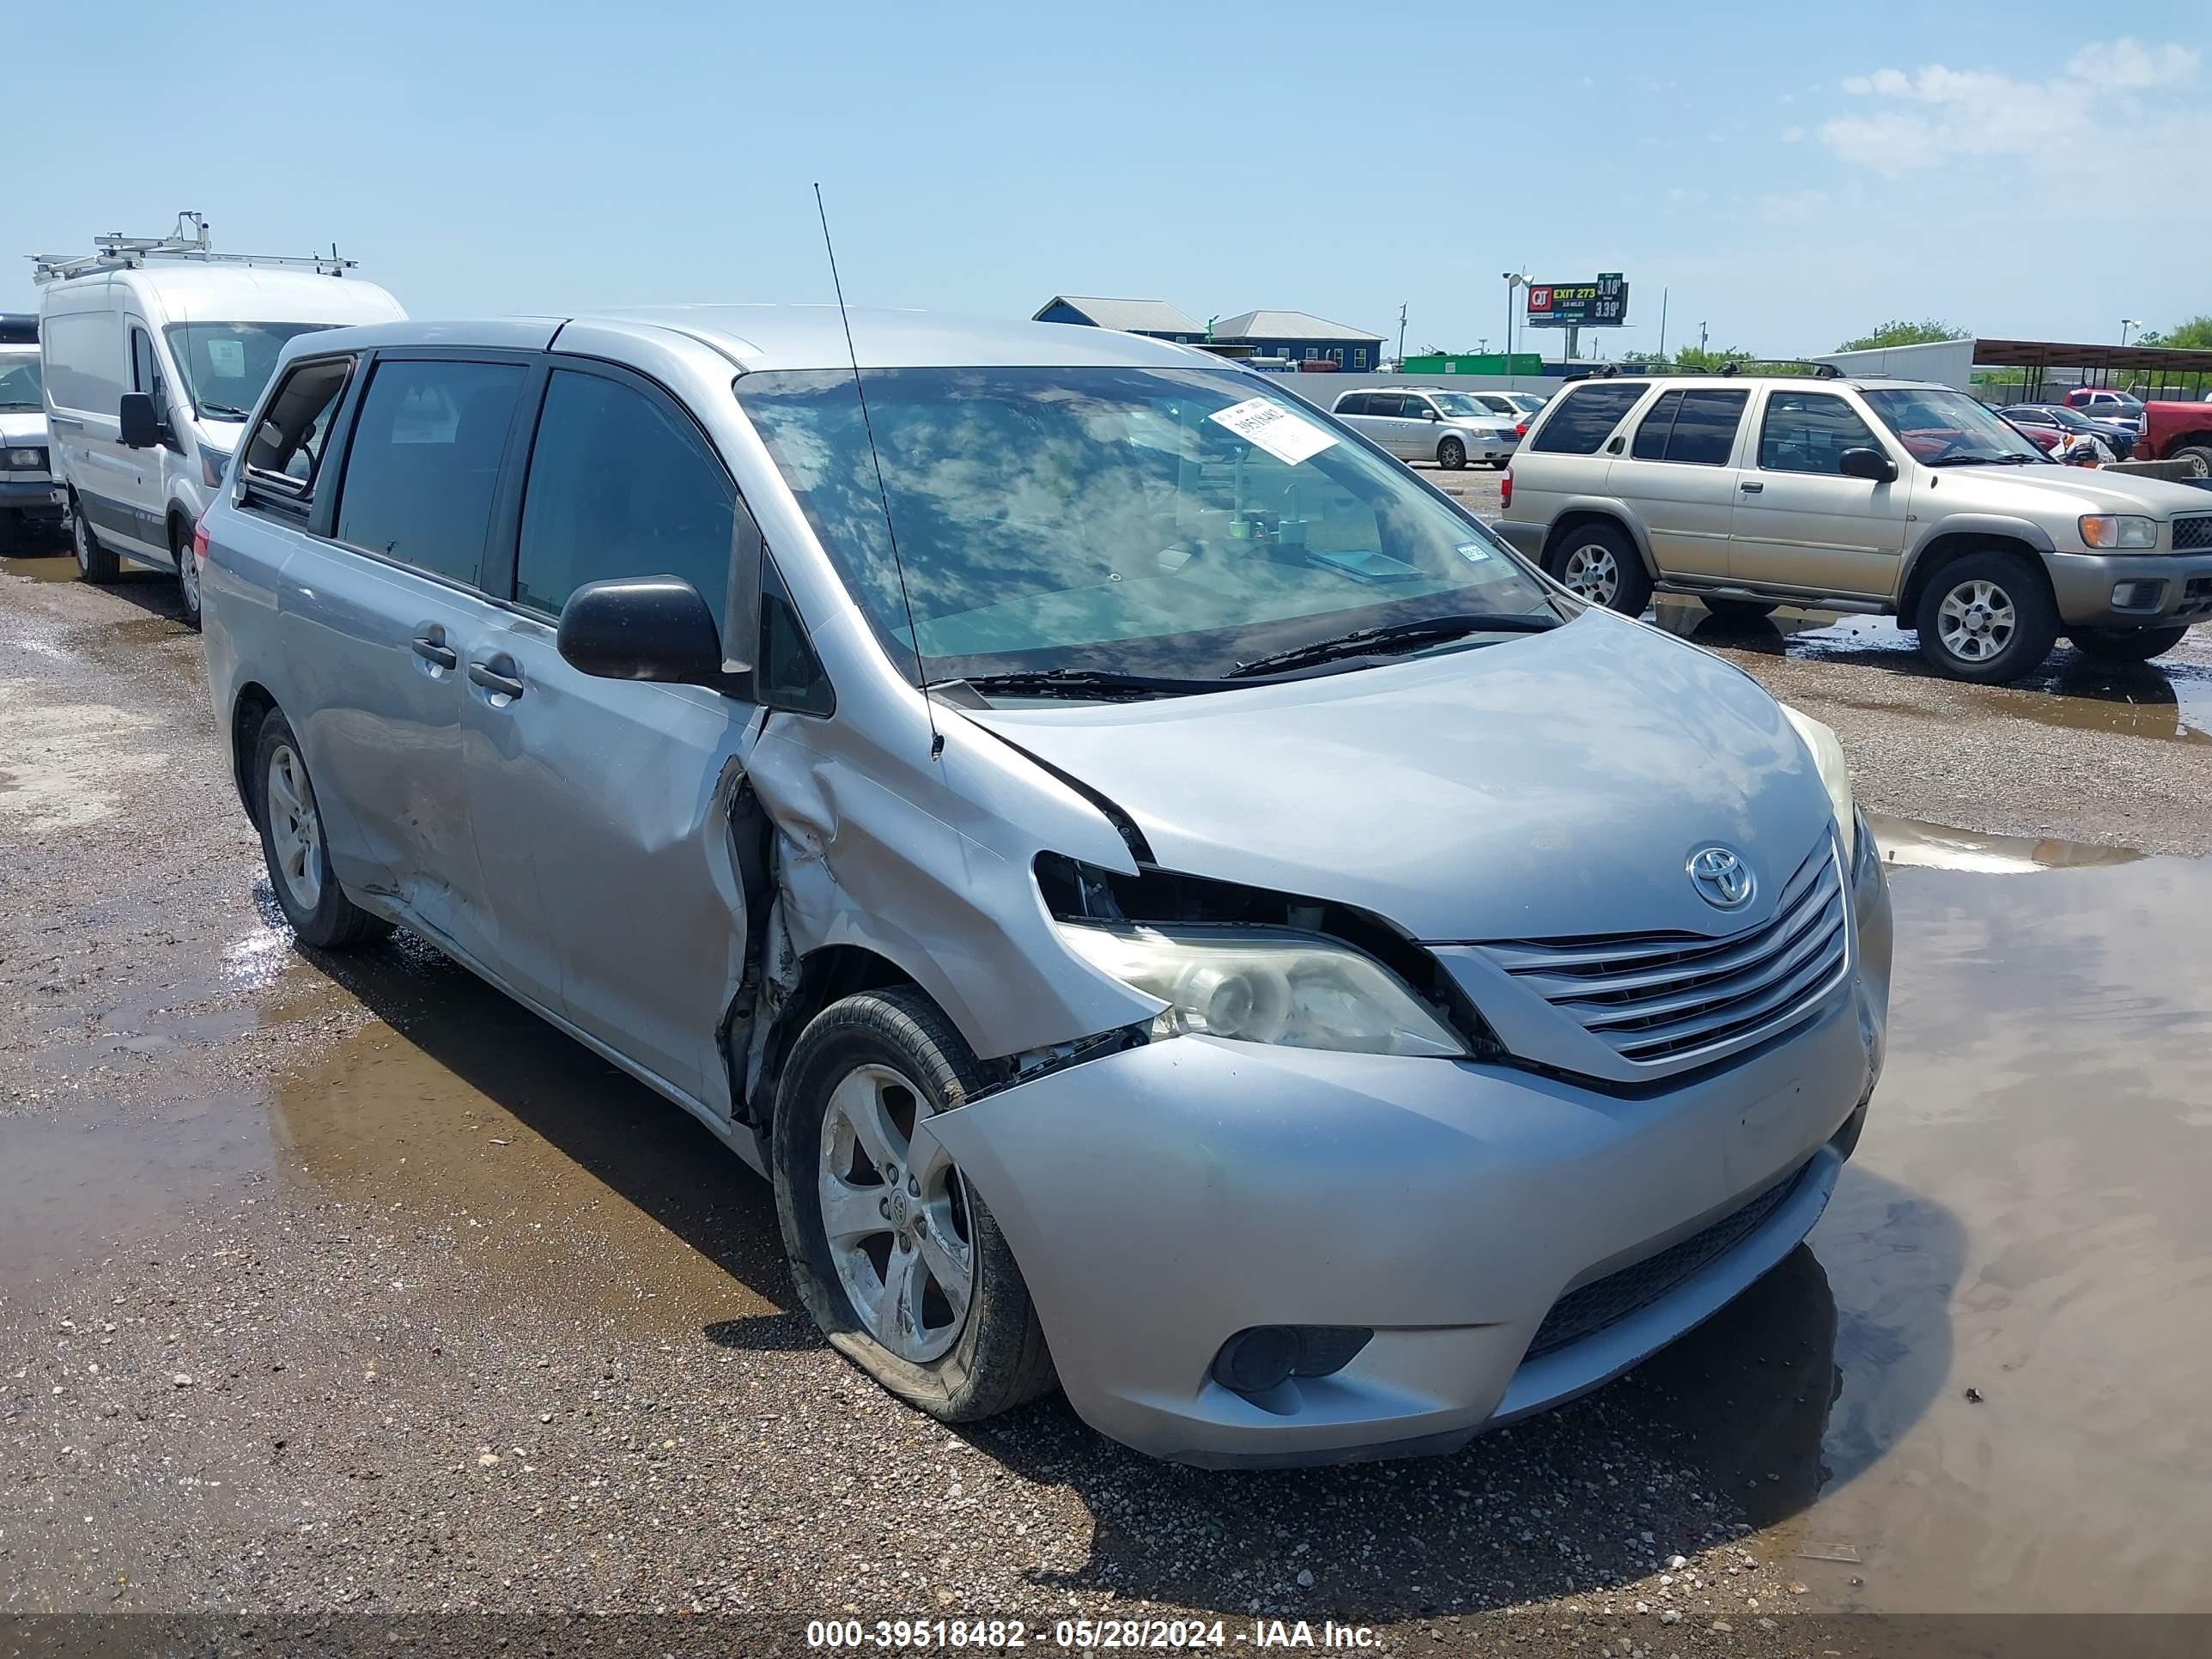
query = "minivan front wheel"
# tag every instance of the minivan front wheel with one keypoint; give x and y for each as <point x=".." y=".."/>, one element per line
<point x="293" y="846"/>
<point x="1988" y="618"/>
<point x="1599" y="563"/>
<point x="895" y="1256"/>
<point x="1451" y="454"/>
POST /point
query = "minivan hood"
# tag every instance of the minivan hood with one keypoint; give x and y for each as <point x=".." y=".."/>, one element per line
<point x="2068" y="489"/>
<point x="1553" y="784"/>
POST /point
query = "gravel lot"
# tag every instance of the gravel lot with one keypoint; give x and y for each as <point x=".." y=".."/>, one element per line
<point x="348" y="1286"/>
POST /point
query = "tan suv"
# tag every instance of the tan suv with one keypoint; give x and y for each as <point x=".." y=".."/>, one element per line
<point x="1877" y="495"/>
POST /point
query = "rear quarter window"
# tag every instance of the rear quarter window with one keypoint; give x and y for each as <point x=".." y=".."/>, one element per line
<point x="1583" y="418"/>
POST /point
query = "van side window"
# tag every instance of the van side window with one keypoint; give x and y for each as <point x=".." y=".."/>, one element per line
<point x="1808" y="432"/>
<point x="618" y="487"/>
<point x="145" y="369"/>
<point x="423" y="464"/>
<point x="1584" y="417"/>
<point x="790" y="675"/>
<point x="285" y="452"/>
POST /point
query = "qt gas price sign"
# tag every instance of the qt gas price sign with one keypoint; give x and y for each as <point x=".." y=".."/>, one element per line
<point x="1602" y="303"/>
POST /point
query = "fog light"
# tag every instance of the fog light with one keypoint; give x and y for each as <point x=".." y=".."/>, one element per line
<point x="1264" y="1357"/>
<point x="2138" y="595"/>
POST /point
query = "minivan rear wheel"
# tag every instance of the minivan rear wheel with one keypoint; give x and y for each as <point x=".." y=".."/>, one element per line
<point x="1598" y="561"/>
<point x="897" y="1259"/>
<point x="95" y="563"/>
<point x="1988" y="618"/>
<point x="293" y="846"/>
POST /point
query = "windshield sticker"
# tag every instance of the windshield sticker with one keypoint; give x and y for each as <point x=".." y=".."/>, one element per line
<point x="1472" y="552"/>
<point x="1274" y="429"/>
<point x="227" y="359"/>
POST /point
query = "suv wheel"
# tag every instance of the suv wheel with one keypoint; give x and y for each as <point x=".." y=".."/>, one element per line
<point x="1599" y="563"/>
<point x="1987" y="617"/>
<point x="1451" y="454"/>
<point x="2126" y="644"/>
<point x="897" y="1259"/>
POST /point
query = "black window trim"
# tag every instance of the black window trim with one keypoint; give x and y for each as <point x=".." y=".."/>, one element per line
<point x="290" y="498"/>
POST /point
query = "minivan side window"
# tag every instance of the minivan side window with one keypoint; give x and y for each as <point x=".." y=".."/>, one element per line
<point x="1808" y="432"/>
<point x="1692" y="427"/>
<point x="619" y="486"/>
<point x="1584" y="417"/>
<point x="285" y="452"/>
<point x="1355" y="404"/>
<point x="422" y="467"/>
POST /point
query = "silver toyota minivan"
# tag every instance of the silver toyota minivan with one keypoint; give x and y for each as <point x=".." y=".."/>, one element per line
<point x="1172" y="903"/>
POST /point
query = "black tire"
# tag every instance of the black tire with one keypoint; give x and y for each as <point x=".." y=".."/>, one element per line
<point x="1573" y="561"/>
<point x="2126" y="644"/>
<point x="95" y="563"/>
<point x="997" y="1358"/>
<point x="1451" y="454"/>
<point x="2199" y="458"/>
<point x="188" y="575"/>
<point x="332" y="921"/>
<point x="1739" y="610"/>
<point x="2014" y="648"/>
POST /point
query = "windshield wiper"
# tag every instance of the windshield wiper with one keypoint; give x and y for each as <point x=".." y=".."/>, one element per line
<point x="1399" y="636"/>
<point x="224" y="410"/>
<point x="1078" y="683"/>
<point x="1985" y="460"/>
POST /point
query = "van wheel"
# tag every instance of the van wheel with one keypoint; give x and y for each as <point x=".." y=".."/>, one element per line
<point x="95" y="563"/>
<point x="1988" y="618"/>
<point x="1451" y="454"/>
<point x="293" y="844"/>
<point x="897" y="1258"/>
<point x="2126" y="644"/>
<point x="1598" y="561"/>
<point x="1739" y="611"/>
<point x="188" y="575"/>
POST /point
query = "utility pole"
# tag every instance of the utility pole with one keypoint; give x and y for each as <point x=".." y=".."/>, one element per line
<point x="1401" y="336"/>
<point x="1701" y="339"/>
<point x="1512" y="279"/>
<point x="2127" y="323"/>
<point x="1663" y="324"/>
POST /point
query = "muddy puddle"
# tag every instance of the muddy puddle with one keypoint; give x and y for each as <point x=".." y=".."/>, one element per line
<point x="59" y="566"/>
<point x="2025" y="1220"/>
<point x="2170" y="698"/>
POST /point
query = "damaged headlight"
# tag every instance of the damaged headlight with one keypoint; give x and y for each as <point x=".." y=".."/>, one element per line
<point x="1257" y="984"/>
<point x="1835" y="773"/>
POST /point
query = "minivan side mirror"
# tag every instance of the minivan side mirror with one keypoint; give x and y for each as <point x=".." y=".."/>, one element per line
<point x="643" y="628"/>
<point x="1869" y="463"/>
<point x="1430" y="414"/>
<point x="140" y="423"/>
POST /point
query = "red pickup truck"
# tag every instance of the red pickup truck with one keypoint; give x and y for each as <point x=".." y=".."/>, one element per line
<point x="2178" y="432"/>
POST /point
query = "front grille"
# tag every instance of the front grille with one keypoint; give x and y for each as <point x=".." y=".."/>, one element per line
<point x="1603" y="1302"/>
<point x="1655" y="997"/>
<point x="2193" y="532"/>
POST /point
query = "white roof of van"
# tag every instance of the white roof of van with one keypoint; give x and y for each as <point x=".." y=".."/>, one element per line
<point x="186" y="291"/>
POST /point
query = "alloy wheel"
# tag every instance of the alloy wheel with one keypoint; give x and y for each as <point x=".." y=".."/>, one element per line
<point x="1592" y="572"/>
<point x="188" y="579"/>
<point x="1976" y="621"/>
<point x="899" y="1229"/>
<point x="81" y="540"/>
<point x="294" y="831"/>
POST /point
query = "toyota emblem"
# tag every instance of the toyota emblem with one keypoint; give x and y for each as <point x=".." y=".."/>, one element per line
<point x="1722" y="877"/>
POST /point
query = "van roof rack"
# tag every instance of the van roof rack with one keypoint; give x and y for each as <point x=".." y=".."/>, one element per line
<point x="187" y="241"/>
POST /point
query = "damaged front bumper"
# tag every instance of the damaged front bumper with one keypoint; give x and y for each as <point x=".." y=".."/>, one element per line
<point x="1163" y="1199"/>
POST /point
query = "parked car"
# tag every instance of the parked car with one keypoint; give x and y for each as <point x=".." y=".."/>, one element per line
<point x="1136" y="915"/>
<point x="2045" y="436"/>
<point x="2096" y="401"/>
<point x="2117" y="434"/>
<point x="2175" y="431"/>
<point x="30" y="506"/>
<point x="1418" y="424"/>
<point x="1880" y="495"/>
<point x="149" y="371"/>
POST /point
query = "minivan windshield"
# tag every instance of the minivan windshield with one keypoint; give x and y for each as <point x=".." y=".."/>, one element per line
<point x="1173" y="523"/>
<point x="1949" y="428"/>
<point x="226" y="365"/>
<point x="19" y="381"/>
<point x="1458" y="403"/>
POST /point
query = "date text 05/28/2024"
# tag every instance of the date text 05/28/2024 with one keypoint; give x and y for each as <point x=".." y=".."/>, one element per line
<point x="916" y="1635"/>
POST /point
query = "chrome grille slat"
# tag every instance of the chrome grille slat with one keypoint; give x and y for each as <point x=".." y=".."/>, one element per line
<point x="1658" y="998"/>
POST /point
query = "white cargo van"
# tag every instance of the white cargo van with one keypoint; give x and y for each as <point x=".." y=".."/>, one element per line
<point x="154" y="350"/>
<point x="30" y="506"/>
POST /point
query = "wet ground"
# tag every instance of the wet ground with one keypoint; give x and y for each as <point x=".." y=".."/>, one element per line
<point x="344" y="1283"/>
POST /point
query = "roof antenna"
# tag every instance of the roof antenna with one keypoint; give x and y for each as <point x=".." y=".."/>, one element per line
<point x="882" y="495"/>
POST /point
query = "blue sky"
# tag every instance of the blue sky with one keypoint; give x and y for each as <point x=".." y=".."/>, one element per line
<point x="1793" y="174"/>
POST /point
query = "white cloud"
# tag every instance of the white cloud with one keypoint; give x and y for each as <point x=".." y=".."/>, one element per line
<point x="1937" y="115"/>
<point x="1792" y="135"/>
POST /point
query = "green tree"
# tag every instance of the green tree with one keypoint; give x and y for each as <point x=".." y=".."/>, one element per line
<point x="1697" y="360"/>
<point x="1901" y="333"/>
<point x="2194" y="335"/>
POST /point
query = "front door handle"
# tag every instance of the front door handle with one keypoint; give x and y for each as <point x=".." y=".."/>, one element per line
<point x="496" y="675"/>
<point x="431" y="646"/>
<point x="1751" y="488"/>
